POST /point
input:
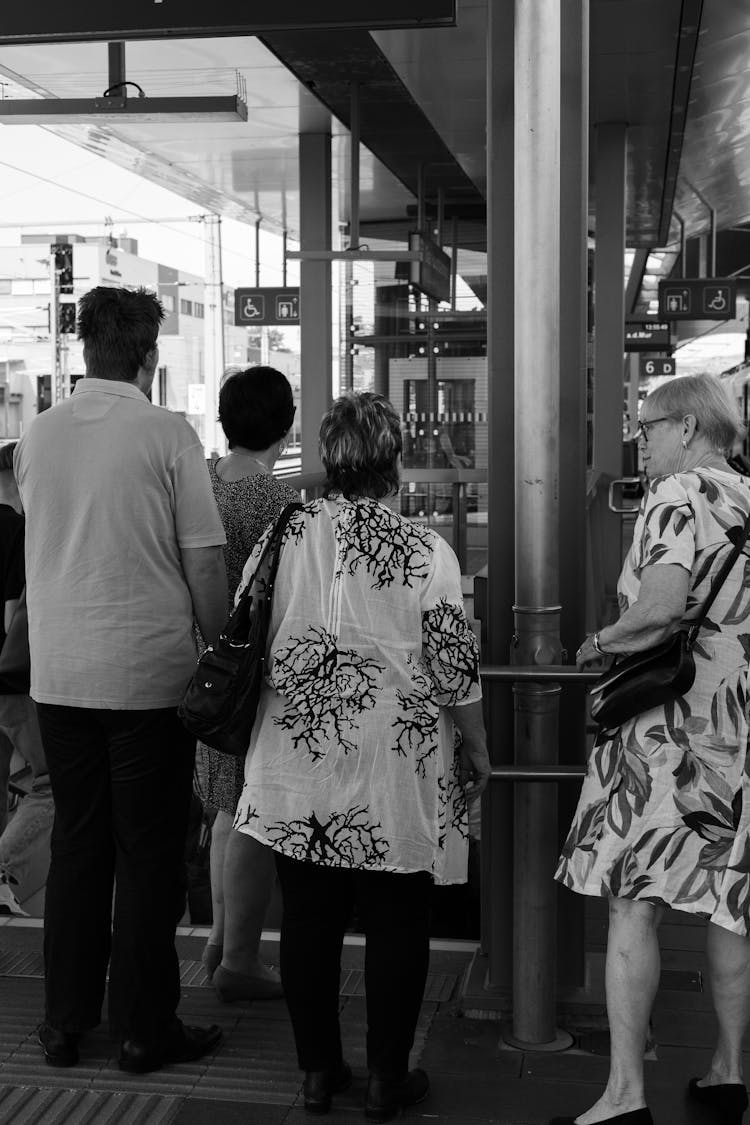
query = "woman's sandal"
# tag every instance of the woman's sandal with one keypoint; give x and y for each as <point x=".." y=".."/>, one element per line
<point x="231" y="987"/>
<point x="729" y="1098"/>
<point x="633" y="1117"/>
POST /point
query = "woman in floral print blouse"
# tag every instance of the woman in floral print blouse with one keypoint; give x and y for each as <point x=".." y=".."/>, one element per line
<point x="351" y="776"/>
<point x="664" y="814"/>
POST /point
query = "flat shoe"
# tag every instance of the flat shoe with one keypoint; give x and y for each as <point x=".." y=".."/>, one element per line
<point x="230" y="987"/>
<point x="633" y="1117"/>
<point x="60" y="1047"/>
<point x="386" y="1096"/>
<point x="729" y="1098"/>
<point x="320" y="1085"/>
<point x="185" y="1045"/>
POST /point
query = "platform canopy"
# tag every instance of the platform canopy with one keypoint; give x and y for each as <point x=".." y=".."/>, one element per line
<point x="678" y="72"/>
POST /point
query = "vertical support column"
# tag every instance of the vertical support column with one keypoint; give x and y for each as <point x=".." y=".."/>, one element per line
<point x="497" y="809"/>
<point x="609" y="331"/>
<point x="214" y="333"/>
<point x="537" y="426"/>
<point x="316" y="334"/>
<point x="574" y="160"/>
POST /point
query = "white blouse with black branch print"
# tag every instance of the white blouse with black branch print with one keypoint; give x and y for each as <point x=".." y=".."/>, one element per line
<point x="352" y="761"/>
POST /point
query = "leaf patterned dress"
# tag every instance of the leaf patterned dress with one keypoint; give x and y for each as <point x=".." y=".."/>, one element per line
<point x="352" y="761"/>
<point x="664" y="813"/>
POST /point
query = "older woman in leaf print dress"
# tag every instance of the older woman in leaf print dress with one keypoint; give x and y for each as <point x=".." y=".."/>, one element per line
<point x="352" y="777"/>
<point x="664" y="813"/>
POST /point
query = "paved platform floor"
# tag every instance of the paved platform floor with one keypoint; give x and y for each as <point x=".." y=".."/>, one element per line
<point x="253" y="1078"/>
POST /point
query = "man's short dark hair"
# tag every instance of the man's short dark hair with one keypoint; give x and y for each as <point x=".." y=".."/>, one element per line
<point x="256" y="407"/>
<point x="118" y="327"/>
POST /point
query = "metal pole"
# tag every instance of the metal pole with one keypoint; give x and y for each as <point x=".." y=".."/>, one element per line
<point x="683" y="243"/>
<point x="54" y="330"/>
<point x="257" y="252"/>
<point x="454" y="260"/>
<point x="537" y="422"/>
<point x="283" y="258"/>
<point x="354" y="133"/>
<point x="214" y="332"/>
<point x="116" y="63"/>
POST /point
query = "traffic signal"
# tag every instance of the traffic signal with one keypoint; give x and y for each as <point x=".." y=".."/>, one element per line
<point x="63" y="252"/>
<point x="43" y="393"/>
<point x="67" y="318"/>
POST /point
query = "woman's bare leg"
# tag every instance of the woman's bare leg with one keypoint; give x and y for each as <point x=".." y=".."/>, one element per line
<point x="220" y="830"/>
<point x="729" y="972"/>
<point x="249" y="875"/>
<point x="632" y="977"/>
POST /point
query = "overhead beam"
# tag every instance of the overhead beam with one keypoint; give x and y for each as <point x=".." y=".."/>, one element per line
<point x="48" y="21"/>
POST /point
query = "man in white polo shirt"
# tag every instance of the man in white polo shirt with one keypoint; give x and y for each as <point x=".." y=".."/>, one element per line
<point x="123" y="551"/>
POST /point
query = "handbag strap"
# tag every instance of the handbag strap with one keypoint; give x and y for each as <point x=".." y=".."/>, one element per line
<point x="271" y="552"/>
<point x="738" y="536"/>
<point x="274" y="544"/>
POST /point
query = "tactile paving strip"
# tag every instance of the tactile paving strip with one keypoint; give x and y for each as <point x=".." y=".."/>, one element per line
<point x="439" y="989"/>
<point x="26" y="1105"/>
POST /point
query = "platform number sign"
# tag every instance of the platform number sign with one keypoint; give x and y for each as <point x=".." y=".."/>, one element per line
<point x="656" y="365"/>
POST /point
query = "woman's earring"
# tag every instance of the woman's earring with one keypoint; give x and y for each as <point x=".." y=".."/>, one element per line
<point x="684" y="443"/>
<point x="283" y="446"/>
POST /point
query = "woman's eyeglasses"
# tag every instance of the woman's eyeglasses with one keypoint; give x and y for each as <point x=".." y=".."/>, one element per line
<point x="644" y="427"/>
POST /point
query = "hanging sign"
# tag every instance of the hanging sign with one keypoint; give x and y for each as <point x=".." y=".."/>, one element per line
<point x="702" y="298"/>
<point x="267" y="306"/>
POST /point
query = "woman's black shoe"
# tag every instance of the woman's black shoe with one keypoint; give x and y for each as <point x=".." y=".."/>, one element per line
<point x="729" y="1098"/>
<point x="386" y="1096"/>
<point x="321" y="1085"/>
<point x="633" y="1117"/>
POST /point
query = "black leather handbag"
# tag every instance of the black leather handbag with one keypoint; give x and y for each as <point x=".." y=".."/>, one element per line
<point x="221" y="701"/>
<point x="15" y="661"/>
<point x="643" y="680"/>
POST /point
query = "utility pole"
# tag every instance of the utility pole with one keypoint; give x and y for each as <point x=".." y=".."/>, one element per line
<point x="214" y="331"/>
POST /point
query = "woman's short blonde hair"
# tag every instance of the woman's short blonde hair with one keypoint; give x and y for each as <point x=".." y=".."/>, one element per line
<point x="707" y="400"/>
<point x="360" y="442"/>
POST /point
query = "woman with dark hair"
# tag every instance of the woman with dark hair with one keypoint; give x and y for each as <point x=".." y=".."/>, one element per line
<point x="256" y="411"/>
<point x="352" y="776"/>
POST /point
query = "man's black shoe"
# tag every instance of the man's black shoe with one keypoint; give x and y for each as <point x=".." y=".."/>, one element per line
<point x="185" y="1045"/>
<point x="320" y="1086"/>
<point x="386" y="1096"/>
<point x="60" y="1047"/>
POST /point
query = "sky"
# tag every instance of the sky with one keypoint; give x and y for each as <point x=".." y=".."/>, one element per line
<point x="50" y="182"/>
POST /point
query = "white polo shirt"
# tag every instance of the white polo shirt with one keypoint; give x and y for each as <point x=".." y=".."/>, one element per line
<point x="112" y="488"/>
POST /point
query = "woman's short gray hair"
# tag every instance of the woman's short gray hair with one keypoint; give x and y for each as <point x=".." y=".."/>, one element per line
<point x="360" y="441"/>
<point x="707" y="400"/>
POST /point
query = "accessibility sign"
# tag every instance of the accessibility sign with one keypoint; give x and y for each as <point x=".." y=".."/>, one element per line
<point x="704" y="298"/>
<point x="266" y="306"/>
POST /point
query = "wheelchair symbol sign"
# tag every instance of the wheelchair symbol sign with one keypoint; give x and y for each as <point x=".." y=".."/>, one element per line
<point x="254" y="308"/>
<point x="715" y="298"/>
